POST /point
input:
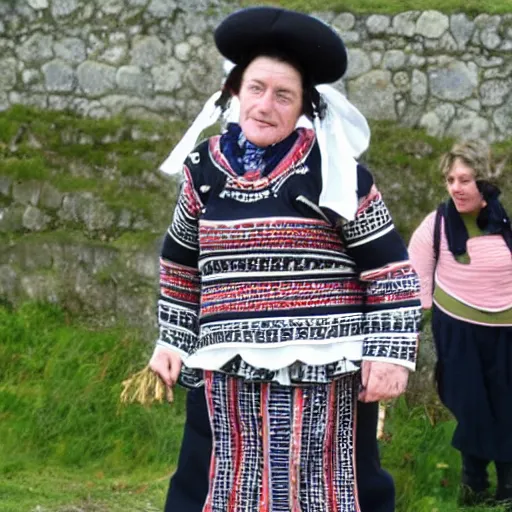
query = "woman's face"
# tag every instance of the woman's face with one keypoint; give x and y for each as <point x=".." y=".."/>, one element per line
<point x="462" y="188"/>
<point x="270" y="101"/>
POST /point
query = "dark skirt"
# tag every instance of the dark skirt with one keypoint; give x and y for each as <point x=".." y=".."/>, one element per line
<point x="474" y="379"/>
<point x="281" y="448"/>
<point x="189" y="485"/>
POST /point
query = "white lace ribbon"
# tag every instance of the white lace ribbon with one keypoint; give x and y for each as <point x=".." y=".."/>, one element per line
<point x="210" y="114"/>
<point x="343" y="134"/>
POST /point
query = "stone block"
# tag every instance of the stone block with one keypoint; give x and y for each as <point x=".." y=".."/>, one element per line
<point x="468" y="124"/>
<point x="62" y="8"/>
<point x="26" y="192"/>
<point x="490" y="38"/>
<point x="344" y="22"/>
<point x="9" y="282"/>
<point x="38" y="4"/>
<point x="71" y="50"/>
<point x="404" y="23"/>
<point x="394" y="59"/>
<point x="32" y="77"/>
<point x="114" y="55"/>
<point x="37" y="48"/>
<point x="374" y="94"/>
<point x="112" y="7"/>
<point x="494" y="92"/>
<point x="462" y="29"/>
<point x="432" y="24"/>
<point x="503" y="118"/>
<point x="454" y="82"/>
<point x="5" y="186"/>
<point x="133" y="80"/>
<point x="88" y="209"/>
<point x="11" y="219"/>
<point x="50" y="197"/>
<point x="378" y="24"/>
<point x="419" y="87"/>
<point x="7" y="74"/>
<point x="359" y="63"/>
<point x="59" y="76"/>
<point x="167" y="78"/>
<point x="162" y="8"/>
<point x="34" y="219"/>
<point x="96" y="79"/>
<point x="147" y="51"/>
<point x="42" y="287"/>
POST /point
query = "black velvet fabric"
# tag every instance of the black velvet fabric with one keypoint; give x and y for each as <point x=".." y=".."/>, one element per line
<point x="311" y="42"/>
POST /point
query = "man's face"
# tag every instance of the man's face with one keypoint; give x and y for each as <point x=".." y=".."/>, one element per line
<point x="270" y="101"/>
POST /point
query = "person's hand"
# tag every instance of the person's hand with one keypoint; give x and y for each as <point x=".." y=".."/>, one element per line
<point x="166" y="364"/>
<point x="382" y="381"/>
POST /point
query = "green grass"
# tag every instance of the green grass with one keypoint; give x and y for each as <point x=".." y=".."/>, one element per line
<point x="58" y="489"/>
<point x="471" y="7"/>
<point x="425" y="467"/>
<point x="388" y="6"/>
<point x="26" y="168"/>
<point x="59" y="388"/>
<point x="35" y="143"/>
<point x="66" y="441"/>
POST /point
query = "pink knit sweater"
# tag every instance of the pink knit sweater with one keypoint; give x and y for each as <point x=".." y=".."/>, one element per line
<point x="485" y="283"/>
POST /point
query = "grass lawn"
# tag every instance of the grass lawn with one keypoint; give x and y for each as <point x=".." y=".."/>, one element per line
<point x="471" y="7"/>
<point x="67" y="445"/>
<point x="425" y="467"/>
<point x="65" y="440"/>
<point x="56" y="488"/>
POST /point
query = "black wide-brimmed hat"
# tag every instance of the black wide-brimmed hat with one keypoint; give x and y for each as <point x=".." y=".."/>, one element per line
<point x="309" y="41"/>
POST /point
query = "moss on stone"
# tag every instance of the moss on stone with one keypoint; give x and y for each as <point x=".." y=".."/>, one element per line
<point x="471" y="7"/>
<point x="24" y="168"/>
<point x="116" y="159"/>
<point x="61" y="236"/>
<point x="129" y="240"/>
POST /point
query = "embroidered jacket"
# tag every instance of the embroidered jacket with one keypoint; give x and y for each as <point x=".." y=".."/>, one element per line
<point x="258" y="281"/>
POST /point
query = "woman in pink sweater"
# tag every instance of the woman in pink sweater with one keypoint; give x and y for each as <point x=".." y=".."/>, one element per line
<point x="463" y="255"/>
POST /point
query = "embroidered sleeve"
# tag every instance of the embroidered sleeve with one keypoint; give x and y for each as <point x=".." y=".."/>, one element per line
<point x="178" y="305"/>
<point x="392" y="307"/>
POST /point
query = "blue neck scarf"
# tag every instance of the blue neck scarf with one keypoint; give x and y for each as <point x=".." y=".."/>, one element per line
<point x="492" y="219"/>
<point x="249" y="160"/>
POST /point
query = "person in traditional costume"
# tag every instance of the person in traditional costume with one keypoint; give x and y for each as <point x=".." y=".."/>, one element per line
<point x="463" y="255"/>
<point x="285" y="288"/>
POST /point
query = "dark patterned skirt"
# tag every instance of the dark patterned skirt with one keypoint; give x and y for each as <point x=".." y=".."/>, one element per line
<point x="474" y="378"/>
<point x="281" y="448"/>
<point x="189" y="485"/>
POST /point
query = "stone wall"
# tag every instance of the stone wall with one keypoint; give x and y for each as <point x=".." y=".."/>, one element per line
<point x="84" y="234"/>
<point x="451" y="74"/>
